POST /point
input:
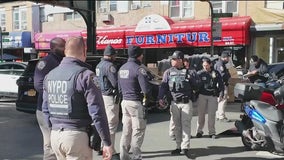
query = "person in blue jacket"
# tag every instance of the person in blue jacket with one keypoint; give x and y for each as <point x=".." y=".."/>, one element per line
<point x="133" y="82"/>
<point x="106" y="71"/>
<point x="44" y="65"/>
<point x="72" y="101"/>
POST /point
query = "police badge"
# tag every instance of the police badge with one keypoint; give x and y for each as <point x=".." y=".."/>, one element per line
<point x="41" y="65"/>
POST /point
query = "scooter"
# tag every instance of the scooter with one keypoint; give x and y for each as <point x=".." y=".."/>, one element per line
<point x="262" y="124"/>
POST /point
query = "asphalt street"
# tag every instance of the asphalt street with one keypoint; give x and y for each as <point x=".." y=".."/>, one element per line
<point x="21" y="139"/>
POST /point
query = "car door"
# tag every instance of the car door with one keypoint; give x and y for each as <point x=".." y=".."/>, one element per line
<point x="8" y="78"/>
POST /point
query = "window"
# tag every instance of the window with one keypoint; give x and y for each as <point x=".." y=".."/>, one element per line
<point x="274" y="4"/>
<point x="71" y="16"/>
<point x="112" y="5"/>
<point x="20" y="18"/>
<point x="102" y="6"/>
<point x="225" y="6"/>
<point x="2" y="19"/>
<point x="181" y="9"/>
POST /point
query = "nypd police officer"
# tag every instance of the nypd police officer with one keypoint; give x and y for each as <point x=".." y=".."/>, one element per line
<point x="180" y="82"/>
<point x="211" y="88"/>
<point x="44" y="65"/>
<point x="133" y="81"/>
<point x="220" y="66"/>
<point x="72" y="101"/>
<point x="106" y="71"/>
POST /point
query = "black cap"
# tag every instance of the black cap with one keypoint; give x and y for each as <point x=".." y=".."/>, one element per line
<point x="254" y="58"/>
<point x="225" y="54"/>
<point x="109" y="50"/>
<point x="178" y="55"/>
<point x="134" y="51"/>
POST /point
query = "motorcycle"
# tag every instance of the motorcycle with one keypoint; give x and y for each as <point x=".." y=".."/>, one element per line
<point x="261" y="125"/>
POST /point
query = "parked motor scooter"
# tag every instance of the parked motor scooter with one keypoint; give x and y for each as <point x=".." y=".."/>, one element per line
<point x="262" y="124"/>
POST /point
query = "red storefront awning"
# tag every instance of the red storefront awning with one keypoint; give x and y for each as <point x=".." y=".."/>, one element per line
<point x="42" y="39"/>
<point x="194" y="33"/>
<point x="191" y="33"/>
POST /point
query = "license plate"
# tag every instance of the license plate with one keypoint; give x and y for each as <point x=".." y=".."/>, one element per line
<point x="31" y="92"/>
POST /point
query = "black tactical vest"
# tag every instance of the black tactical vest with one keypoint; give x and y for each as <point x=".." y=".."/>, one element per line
<point x="179" y="81"/>
<point x="63" y="99"/>
<point x="101" y="72"/>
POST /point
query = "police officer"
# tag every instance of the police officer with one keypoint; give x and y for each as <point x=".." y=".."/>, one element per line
<point x="106" y="72"/>
<point x="211" y="88"/>
<point x="258" y="71"/>
<point x="44" y="65"/>
<point x="72" y="101"/>
<point x="132" y="80"/>
<point x="220" y="66"/>
<point x="180" y="82"/>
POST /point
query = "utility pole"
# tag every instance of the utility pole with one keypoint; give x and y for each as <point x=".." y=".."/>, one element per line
<point x="211" y="32"/>
<point x="1" y="37"/>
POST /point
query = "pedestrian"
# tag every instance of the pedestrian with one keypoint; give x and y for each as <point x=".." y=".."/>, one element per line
<point x="220" y="66"/>
<point x="181" y="83"/>
<point x="106" y="71"/>
<point x="72" y="101"/>
<point x="211" y="88"/>
<point x="258" y="71"/>
<point x="44" y="65"/>
<point x="135" y="87"/>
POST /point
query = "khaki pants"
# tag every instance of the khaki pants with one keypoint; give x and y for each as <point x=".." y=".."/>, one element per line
<point x="206" y="104"/>
<point x="48" y="153"/>
<point x="220" y="114"/>
<point x="112" y="112"/>
<point x="181" y="115"/>
<point x="134" y="126"/>
<point x="70" y="145"/>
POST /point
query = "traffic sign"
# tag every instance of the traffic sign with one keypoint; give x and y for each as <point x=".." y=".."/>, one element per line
<point x="5" y="33"/>
<point x="217" y="30"/>
<point x="222" y="15"/>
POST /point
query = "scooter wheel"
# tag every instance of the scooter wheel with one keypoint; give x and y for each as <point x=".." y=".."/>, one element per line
<point x="247" y="143"/>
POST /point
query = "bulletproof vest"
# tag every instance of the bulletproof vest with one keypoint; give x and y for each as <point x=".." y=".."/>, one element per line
<point x="209" y="81"/>
<point x="101" y="72"/>
<point x="63" y="99"/>
<point x="178" y="80"/>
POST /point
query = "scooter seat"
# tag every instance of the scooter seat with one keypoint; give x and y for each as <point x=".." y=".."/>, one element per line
<point x="268" y="111"/>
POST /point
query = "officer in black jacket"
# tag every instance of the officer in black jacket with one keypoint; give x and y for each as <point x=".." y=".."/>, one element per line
<point x="72" y="101"/>
<point x="106" y="71"/>
<point x="133" y="82"/>
<point x="212" y="87"/>
<point x="220" y="66"/>
<point x="180" y="82"/>
<point x="44" y="65"/>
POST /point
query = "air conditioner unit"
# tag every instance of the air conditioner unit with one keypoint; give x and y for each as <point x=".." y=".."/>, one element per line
<point x="102" y="10"/>
<point x="106" y="18"/>
<point x="134" y="6"/>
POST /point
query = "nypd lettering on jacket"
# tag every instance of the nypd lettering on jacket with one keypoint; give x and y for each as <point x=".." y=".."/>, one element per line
<point x="58" y="93"/>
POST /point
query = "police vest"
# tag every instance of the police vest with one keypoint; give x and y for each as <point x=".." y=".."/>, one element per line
<point x="101" y="72"/>
<point x="179" y="81"/>
<point x="63" y="99"/>
<point x="209" y="80"/>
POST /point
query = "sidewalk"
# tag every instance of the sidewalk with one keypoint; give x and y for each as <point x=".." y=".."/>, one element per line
<point x="157" y="144"/>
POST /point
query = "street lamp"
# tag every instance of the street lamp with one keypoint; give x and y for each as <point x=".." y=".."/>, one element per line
<point x="211" y="23"/>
